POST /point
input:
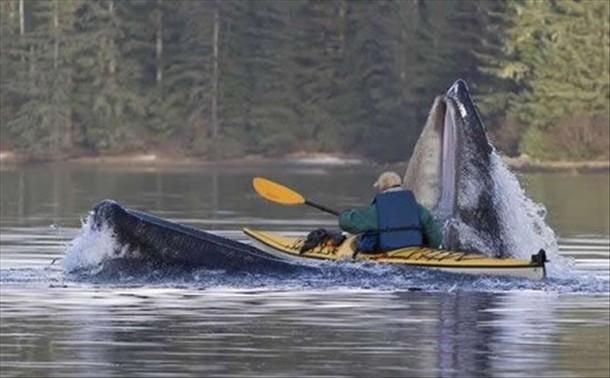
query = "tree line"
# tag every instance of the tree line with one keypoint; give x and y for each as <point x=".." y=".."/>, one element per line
<point x="226" y="78"/>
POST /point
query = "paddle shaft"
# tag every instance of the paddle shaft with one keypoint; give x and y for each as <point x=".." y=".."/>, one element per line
<point x="323" y="208"/>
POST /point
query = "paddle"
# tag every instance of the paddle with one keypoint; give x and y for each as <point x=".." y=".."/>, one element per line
<point x="277" y="193"/>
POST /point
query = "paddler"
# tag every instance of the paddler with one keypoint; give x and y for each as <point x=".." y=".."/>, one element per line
<point x="394" y="219"/>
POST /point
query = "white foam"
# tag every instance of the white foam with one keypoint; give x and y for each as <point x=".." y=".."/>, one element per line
<point x="523" y="220"/>
<point x="91" y="247"/>
<point x="472" y="238"/>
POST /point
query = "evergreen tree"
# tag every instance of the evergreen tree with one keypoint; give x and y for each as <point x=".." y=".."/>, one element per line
<point x="556" y="56"/>
<point x="423" y="64"/>
<point x="9" y="60"/>
<point x="150" y="27"/>
<point x="237" y="81"/>
<point x="271" y="123"/>
<point x="43" y="79"/>
<point x="318" y="44"/>
<point x="109" y="109"/>
<point x="185" y="94"/>
<point x="257" y="80"/>
<point x="229" y="78"/>
<point x="377" y="111"/>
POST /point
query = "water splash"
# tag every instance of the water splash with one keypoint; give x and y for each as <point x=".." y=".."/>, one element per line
<point x="92" y="247"/>
<point x="525" y="221"/>
<point x="523" y="226"/>
<point x="334" y="276"/>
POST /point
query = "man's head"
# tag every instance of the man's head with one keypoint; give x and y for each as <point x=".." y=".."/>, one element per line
<point x="387" y="180"/>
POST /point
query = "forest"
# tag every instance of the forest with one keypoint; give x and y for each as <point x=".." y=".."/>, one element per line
<point x="226" y="79"/>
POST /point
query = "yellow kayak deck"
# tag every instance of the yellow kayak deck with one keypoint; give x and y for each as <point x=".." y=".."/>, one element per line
<point x="459" y="262"/>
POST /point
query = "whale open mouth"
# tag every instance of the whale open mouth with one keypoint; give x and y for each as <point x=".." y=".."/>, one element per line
<point x="434" y="170"/>
<point x="450" y="169"/>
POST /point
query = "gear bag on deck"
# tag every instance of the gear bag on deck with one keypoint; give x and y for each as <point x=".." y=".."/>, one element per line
<point x="321" y="236"/>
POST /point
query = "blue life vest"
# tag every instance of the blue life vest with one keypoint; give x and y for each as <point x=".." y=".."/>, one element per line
<point x="398" y="222"/>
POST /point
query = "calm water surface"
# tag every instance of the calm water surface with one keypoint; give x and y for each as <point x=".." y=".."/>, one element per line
<point x="53" y="324"/>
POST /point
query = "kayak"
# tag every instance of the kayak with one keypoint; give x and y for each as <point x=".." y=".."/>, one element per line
<point x="287" y="247"/>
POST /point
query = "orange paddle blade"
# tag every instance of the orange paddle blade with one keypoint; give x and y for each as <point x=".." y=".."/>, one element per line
<point x="275" y="192"/>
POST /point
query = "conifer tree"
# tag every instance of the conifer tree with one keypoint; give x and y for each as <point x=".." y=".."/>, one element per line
<point x="43" y="79"/>
<point x="556" y="59"/>
<point x="318" y="43"/>
<point x="108" y="106"/>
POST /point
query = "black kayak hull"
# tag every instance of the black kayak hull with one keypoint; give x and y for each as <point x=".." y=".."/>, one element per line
<point x="168" y="243"/>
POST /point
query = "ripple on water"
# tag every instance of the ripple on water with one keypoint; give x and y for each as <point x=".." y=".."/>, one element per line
<point x="584" y="267"/>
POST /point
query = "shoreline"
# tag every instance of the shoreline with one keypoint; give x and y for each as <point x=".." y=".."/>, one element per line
<point x="519" y="164"/>
<point x="524" y="164"/>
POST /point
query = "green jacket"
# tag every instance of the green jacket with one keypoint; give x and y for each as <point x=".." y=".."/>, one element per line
<point x="362" y="219"/>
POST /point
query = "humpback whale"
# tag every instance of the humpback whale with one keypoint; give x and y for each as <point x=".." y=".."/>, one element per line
<point x="453" y="171"/>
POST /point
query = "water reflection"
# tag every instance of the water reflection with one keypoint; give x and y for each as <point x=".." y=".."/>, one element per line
<point x="576" y="204"/>
<point x="51" y="326"/>
<point x="39" y="194"/>
<point x="464" y="348"/>
<point x="61" y="193"/>
<point x="140" y="332"/>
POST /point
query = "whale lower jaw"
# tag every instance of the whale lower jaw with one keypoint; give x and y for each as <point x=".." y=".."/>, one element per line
<point x="158" y="242"/>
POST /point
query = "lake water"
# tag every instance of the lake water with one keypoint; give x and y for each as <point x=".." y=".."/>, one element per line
<point x="206" y="324"/>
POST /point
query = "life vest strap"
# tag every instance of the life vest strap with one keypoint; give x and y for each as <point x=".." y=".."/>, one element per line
<point x="392" y="229"/>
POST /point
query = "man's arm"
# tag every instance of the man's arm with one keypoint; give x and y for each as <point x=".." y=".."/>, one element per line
<point x="430" y="228"/>
<point x="359" y="220"/>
